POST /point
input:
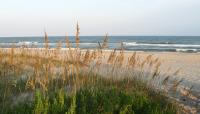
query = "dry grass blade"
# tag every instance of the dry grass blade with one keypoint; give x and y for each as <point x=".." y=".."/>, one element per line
<point x="77" y="35"/>
<point x="121" y="55"/>
<point x="164" y="82"/>
<point x="93" y="55"/>
<point x="86" y="57"/>
<point x="58" y="45"/>
<point x="132" y="60"/>
<point x="67" y="42"/>
<point x="157" y="70"/>
<point x="176" y="84"/>
<point x="68" y="45"/>
<point x="112" y="57"/>
<point x="105" y="42"/>
<point x="46" y="40"/>
<point x="148" y="58"/>
<point x="11" y="55"/>
<point x="99" y="45"/>
<point x="187" y="92"/>
<point x="177" y="72"/>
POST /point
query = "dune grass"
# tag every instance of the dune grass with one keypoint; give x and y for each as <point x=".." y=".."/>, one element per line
<point x="73" y="81"/>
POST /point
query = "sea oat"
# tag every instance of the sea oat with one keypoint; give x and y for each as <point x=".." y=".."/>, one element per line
<point x="105" y="42"/>
<point x="77" y="35"/>
<point x="46" y="40"/>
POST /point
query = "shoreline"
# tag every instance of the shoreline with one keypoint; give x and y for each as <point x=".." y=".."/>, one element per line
<point x="110" y="50"/>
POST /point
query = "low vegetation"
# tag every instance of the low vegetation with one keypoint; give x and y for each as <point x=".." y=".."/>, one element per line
<point x="74" y="81"/>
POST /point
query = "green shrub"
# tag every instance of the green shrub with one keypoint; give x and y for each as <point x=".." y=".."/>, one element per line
<point x="94" y="100"/>
<point x="38" y="103"/>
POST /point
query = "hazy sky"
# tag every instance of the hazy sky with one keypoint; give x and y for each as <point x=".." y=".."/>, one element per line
<point x="97" y="17"/>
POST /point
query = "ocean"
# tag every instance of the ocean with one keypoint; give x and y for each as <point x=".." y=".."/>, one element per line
<point x="187" y="44"/>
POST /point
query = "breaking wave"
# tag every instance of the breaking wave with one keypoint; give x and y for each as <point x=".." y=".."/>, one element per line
<point x="159" y="45"/>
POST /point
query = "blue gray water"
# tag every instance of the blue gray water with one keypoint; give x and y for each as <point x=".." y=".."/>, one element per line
<point x="134" y="43"/>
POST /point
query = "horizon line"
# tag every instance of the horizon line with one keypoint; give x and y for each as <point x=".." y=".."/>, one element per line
<point x="102" y="36"/>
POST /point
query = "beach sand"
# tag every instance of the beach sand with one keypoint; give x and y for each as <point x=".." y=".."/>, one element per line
<point x="188" y="63"/>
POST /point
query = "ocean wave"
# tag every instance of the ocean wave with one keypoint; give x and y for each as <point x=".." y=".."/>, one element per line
<point x="130" y="43"/>
<point x="129" y="46"/>
<point x="26" y="43"/>
<point x="88" y="43"/>
<point x="157" y="42"/>
<point x="159" y="45"/>
<point x="186" y="50"/>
